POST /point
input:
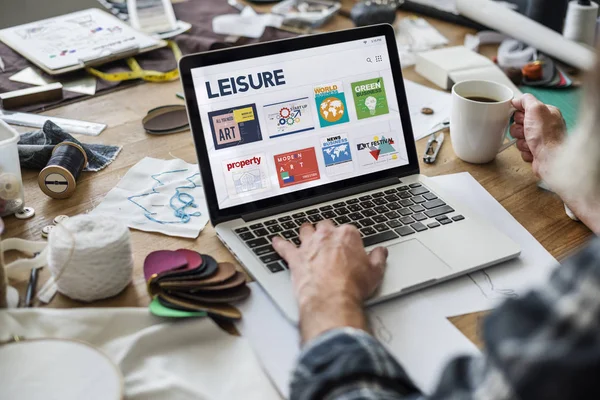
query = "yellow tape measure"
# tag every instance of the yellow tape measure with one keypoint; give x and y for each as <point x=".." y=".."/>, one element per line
<point x="138" y="73"/>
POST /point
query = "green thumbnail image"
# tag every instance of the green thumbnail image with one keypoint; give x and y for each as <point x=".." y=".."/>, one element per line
<point x="369" y="98"/>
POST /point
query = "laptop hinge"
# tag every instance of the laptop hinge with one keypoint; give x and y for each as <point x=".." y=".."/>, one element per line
<point x="320" y="199"/>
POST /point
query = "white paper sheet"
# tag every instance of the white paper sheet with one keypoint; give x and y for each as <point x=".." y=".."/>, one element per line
<point x="156" y="197"/>
<point x="160" y="359"/>
<point x="85" y="85"/>
<point x="410" y="327"/>
<point x="420" y="96"/>
<point x="66" y="40"/>
<point x="485" y="289"/>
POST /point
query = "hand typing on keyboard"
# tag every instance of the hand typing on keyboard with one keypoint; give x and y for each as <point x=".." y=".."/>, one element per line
<point x="332" y="276"/>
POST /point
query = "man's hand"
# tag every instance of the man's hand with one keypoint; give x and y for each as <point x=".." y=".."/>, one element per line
<point x="332" y="276"/>
<point x="540" y="131"/>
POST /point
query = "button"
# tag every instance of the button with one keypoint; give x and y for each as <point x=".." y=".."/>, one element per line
<point x="419" y="217"/>
<point x="389" y="191"/>
<point x="256" y="226"/>
<point x="407" y="220"/>
<point x="60" y="218"/>
<point x="419" y="227"/>
<point x="394" y="224"/>
<point x="25" y="213"/>
<point x="402" y="188"/>
<point x="418" y="208"/>
<point x="326" y="208"/>
<point x="298" y="215"/>
<point x="46" y="230"/>
<point x="259" y="251"/>
<point x="271" y="222"/>
<point x="433" y="225"/>
<point x="241" y="230"/>
<point x="269" y="258"/>
<point x="433" y="204"/>
<point x="415" y="185"/>
<point x="256" y="242"/>
<point x="379" y="238"/>
<point x="288" y="234"/>
<point x="445" y="221"/>
<point x="439" y="211"/>
<point x="246" y="236"/>
<point x="458" y="218"/>
<point x="404" y="231"/>
<point x="427" y="111"/>
<point x="418" y="191"/>
<point x="430" y="196"/>
<point x="340" y="204"/>
<point x="286" y="218"/>
<point x="312" y="212"/>
<point x="261" y="232"/>
<point x="275" y="267"/>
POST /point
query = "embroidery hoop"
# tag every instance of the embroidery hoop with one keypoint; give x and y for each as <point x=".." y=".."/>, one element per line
<point x="55" y="368"/>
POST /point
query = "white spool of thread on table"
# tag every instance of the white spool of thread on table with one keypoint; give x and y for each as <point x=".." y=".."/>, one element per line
<point x="89" y="258"/>
<point x="580" y="22"/>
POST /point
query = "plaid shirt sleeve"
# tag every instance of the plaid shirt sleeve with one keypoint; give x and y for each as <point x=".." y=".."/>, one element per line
<point x="544" y="345"/>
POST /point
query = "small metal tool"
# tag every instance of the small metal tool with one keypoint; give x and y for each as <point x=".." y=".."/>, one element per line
<point x="430" y="152"/>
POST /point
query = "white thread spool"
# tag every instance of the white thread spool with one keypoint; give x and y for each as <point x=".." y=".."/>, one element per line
<point x="89" y="258"/>
<point x="580" y="23"/>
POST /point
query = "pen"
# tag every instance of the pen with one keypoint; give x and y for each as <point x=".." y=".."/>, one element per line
<point x="31" y="287"/>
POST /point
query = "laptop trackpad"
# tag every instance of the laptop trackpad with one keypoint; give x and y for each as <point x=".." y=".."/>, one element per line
<point x="409" y="264"/>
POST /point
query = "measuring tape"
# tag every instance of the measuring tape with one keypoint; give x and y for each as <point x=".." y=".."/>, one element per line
<point x="138" y="73"/>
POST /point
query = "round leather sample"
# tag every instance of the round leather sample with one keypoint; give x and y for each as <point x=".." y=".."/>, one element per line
<point x="166" y="119"/>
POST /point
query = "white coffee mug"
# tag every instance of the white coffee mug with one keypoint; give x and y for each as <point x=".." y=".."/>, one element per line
<point x="478" y="128"/>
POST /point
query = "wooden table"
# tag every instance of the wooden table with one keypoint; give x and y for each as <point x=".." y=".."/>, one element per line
<point x="508" y="179"/>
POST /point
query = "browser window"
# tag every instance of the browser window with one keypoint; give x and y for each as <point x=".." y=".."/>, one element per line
<point x="286" y="122"/>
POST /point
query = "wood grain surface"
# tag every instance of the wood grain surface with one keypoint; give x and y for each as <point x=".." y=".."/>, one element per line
<point x="508" y="179"/>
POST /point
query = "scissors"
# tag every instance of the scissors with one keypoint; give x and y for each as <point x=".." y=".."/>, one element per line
<point x="430" y="152"/>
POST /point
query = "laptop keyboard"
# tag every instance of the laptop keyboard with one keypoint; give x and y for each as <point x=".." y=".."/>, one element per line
<point x="381" y="216"/>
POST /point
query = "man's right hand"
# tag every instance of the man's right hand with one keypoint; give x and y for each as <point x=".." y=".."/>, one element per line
<point x="540" y="131"/>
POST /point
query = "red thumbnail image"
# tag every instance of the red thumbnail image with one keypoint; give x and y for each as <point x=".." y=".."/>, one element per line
<point x="297" y="167"/>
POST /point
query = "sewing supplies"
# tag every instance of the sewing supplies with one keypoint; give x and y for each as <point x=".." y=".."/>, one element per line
<point x="184" y="199"/>
<point x="434" y="144"/>
<point x="580" y="23"/>
<point x="426" y="111"/>
<point x="533" y="71"/>
<point x="25" y="213"/>
<point x="38" y="121"/>
<point x="31" y="287"/>
<point x="31" y="95"/>
<point x="57" y="369"/>
<point x="11" y="186"/>
<point x="89" y="258"/>
<point x="46" y="231"/>
<point x="60" y="218"/>
<point x="59" y="178"/>
<point x="138" y="73"/>
<point x="190" y="282"/>
<point x="166" y="119"/>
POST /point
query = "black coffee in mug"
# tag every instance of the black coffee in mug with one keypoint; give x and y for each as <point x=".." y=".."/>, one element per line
<point x="482" y="99"/>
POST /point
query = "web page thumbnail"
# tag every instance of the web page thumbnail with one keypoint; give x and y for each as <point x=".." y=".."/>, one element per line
<point x="297" y="167"/>
<point x="377" y="149"/>
<point x="234" y="126"/>
<point x="246" y="175"/>
<point x="337" y="154"/>
<point x="288" y="117"/>
<point x="369" y="98"/>
<point x="331" y="104"/>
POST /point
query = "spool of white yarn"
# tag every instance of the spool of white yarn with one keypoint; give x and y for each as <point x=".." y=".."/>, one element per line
<point x="580" y="23"/>
<point x="89" y="258"/>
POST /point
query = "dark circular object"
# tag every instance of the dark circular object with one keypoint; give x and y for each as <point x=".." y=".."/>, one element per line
<point x="515" y="75"/>
<point x="427" y="111"/>
<point x="370" y="12"/>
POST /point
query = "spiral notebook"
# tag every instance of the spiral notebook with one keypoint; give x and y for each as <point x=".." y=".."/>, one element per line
<point x="77" y="40"/>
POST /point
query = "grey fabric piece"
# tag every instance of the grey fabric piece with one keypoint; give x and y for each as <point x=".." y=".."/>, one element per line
<point x="35" y="148"/>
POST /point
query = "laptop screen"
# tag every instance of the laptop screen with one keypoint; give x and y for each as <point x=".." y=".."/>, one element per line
<point x="286" y="122"/>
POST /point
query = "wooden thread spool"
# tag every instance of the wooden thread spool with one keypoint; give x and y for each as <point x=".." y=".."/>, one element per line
<point x="59" y="178"/>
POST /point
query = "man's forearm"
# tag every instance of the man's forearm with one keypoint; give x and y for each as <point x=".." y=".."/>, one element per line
<point x="319" y="315"/>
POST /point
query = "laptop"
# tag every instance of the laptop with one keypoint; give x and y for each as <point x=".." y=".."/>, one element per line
<point x="318" y="128"/>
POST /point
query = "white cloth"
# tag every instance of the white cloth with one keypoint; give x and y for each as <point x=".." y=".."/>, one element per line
<point x="180" y="360"/>
<point x="139" y="181"/>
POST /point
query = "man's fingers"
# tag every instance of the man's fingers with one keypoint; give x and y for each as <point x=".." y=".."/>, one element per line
<point x="284" y="248"/>
<point x="527" y="157"/>
<point x="325" y="224"/>
<point x="519" y="117"/>
<point x="517" y="131"/>
<point x="306" y="231"/>
<point x="524" y="102"/>
<point x="523" y="146"/>
<point x="378" y="257"/>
